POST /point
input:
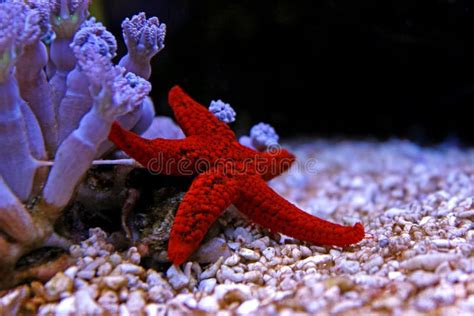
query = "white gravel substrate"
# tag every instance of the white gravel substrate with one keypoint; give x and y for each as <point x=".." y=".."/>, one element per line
<point x="415" y="203"/>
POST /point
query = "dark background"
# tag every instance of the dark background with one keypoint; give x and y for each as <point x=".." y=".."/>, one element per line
<point x="365" y="68"/>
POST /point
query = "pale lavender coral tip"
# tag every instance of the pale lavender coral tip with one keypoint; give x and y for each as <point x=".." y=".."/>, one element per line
<point x="7" y="27"/>
<point x="32" y="31"/>
<point x="95" y="65"/>
<point x="42" y="9"/>
<point x="21" y="25"/>
<point x="138" y="89"/>
<point x="67" y="16"/>
<point x="94" y="33"/>
<point x="263" y="135"/>
<point x="115" y="94"/>
<point x="61" y="7"/>
<point x="223" y="111"/>
<point x="144" y="35"/>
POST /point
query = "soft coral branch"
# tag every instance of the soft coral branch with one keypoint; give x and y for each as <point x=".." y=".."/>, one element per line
<point x="15" y="221"/>
<point x="144" y="39"/>
<point x="66" y="18"/>
<point x="113" y="95"/>
<point x="91" y="40"/>
<point x="32" y="81"/>
<point x="18" y="166"/>
<point x="96" y="94"/>
<point x="20" y="135"/>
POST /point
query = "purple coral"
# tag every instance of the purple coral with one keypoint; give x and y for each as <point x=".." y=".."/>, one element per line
<point x="89" y="42"/>
<point x="163" y="127"/>
<point x="223" y="111"/>
<point x="29" y="72"/>
<point x="262" y="136"/>
<point x="22" y="143"/>
<point x="144" y="39"/>
<point x="52" y="130"/>
<point x="66" y="17"/>
<point x="113" y="95"/>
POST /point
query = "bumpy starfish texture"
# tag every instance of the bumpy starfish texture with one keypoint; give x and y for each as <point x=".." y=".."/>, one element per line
<point x="226" y="173"/>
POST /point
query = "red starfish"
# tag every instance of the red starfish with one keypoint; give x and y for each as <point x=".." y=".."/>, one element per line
<point x="227" y="173"/>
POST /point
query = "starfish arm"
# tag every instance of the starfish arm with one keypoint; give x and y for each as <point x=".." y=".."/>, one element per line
<point x="265" y="207"/>
<point x="175" y="157"/>
<point x="274" y="162"/>
<point x="210" y="194"/>
<point x="194" y="118"/>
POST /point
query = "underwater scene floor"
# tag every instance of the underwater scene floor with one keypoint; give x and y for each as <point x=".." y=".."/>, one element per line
<point x="416" y="204"/>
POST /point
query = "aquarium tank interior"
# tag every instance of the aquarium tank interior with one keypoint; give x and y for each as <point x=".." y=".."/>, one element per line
<point x="236" y="157"/>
